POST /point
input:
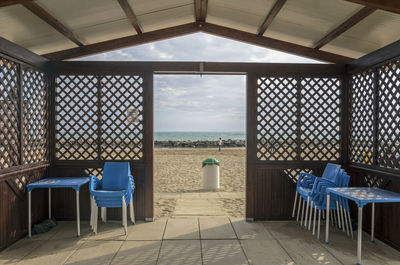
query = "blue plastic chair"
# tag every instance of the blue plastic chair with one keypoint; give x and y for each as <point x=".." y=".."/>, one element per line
<point x="115" y="189"/>
<point x="305" y="185"/>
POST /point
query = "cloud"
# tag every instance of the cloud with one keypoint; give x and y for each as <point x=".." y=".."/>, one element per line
<point x="191" y="102"/>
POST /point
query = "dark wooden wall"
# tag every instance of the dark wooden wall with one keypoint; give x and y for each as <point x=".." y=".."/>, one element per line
<point x="23" y="138"/>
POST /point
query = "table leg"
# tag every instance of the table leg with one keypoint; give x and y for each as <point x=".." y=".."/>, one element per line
<point x="78" y="217"/>
<point x="373" y="223"/>
<point x="29" y="215"/>
<point x="359" y="235"/>
<point x="49" y="203"/>
<point x="328" y="198"/>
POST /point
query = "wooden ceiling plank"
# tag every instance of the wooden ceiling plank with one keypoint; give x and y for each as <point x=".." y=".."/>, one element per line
<point x="350" y="22"/>
<point x="387" y="5"/>
<point x="124" y="42"/>
<point x="52" y="21"/>
<point x="271" y="15"/>
<point x="12" y="2"/>
<point x="275" y="44"/>
<point x="130" y="15"/>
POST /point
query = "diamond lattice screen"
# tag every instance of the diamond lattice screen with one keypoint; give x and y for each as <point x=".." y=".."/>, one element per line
<point x="298" y="118"/>
<point x="10" y="114"/>
<point x="388" y="142"/>
<point x="35" y="123"/>
<point x="276" y="118"/>
<point x="361" y="118"/>
<point x="76" y="117"/>
<point x="91" y="117"/>
<point x="320" y="119"/>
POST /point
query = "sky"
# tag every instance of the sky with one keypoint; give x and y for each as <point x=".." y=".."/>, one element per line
<point x="194" y="102"/>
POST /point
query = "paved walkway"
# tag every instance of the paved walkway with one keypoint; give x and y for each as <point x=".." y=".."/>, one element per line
<point x="193" y="240"/>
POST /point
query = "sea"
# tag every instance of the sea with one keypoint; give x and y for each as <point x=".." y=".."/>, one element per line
<point x="198" y="136"/>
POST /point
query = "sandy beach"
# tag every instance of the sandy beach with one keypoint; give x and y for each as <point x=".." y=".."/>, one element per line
<point x="178" y="182"/>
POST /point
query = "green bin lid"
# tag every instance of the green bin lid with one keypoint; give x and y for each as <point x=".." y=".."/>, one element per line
<point x="210" y="161"/>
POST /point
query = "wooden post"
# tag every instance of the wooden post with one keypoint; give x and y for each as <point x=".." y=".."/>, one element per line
<point x="148" y="113"/>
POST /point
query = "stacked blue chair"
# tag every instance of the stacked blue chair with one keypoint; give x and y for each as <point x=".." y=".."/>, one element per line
<point x="338" y="206"/>
<point x="305" y="184"/>
<point x="115" y="189"/>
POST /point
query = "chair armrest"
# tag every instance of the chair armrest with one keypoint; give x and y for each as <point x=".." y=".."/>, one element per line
<point x="305" y="180"/>
<point x="319" y="188"/>
<point x="94" y="184"/>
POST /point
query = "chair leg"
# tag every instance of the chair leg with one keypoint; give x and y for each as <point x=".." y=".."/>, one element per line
<point x="302" y="213"/>
<point x="91" y="212"/>
<point x="341" y="218"/>
<point x="315" y="217"/>
<point x="345" y="220"/>
<point x="350" y="224"/>
<point x="310" y="217"/>
<point x="131" y="211"/>
<point x="124" y="215"/>
<point x="96" y="214"/>
<point x="323" y="214"/>
<point x="294" y="204"/>
<point x="306" y="217"/>
<point x="338" y="214"/>
<point x="298" y="209"/>
<point x="104" y="214"/>
<point x="319" y="223"/>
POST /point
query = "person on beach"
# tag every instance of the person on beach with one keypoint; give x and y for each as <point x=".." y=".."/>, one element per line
<point x="219" y="144"/>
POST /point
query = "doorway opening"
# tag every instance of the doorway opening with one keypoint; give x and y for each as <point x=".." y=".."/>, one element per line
<point x="191" y="113"/>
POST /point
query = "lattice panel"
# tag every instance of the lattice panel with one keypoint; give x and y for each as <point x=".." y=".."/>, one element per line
<point x="362" y="118"/>
<point x="35" y="116"/>
<point x="375" y="181"/>
<point x="120" y="140"/>
<point x="320" y="119"/>
<point x="277" y="118"/>
<point x="9" y="113"/>
<point x="293" y="174"/>
<point x="388" y="141"/>
<point x="76" y="117"/>
<point x="98" y="172"/>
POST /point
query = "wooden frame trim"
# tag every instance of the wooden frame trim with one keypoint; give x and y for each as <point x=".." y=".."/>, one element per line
<point x="270" y="17"/>
<point x="200" y="10"/>
<point x="123" y="42"/>
<point x="350" y="22"/>
<point x="275" y="44"/>
<point x="130" y="15"/>
<point x="13" y="2"/>
<point x="52" y="21"/>
<point x="388" y="5"/>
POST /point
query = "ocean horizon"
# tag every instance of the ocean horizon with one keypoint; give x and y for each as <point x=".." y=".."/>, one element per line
<point x="198" y="136"/>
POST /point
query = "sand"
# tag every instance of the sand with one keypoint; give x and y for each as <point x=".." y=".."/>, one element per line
<point x="178" y="182"/>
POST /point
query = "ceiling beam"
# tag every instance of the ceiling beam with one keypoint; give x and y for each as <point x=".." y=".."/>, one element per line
<point x="130" y="15"/>
<point x="52" y="21"/>
<point x="200" y="10"/>
<point x="12" y="2"/>
<point x="124" y="42"/>
<point x="350" y="22"/>
<point x="271" y="15"/>
<point x="274" y="44"/>
<point x="388" y="5"/>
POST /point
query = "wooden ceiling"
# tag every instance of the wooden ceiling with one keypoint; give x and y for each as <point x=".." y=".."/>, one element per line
<point x="327" y="30"/>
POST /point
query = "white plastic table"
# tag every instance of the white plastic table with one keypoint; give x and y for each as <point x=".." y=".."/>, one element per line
<point x="74" y="183"/>
<point x="361" y="196"/>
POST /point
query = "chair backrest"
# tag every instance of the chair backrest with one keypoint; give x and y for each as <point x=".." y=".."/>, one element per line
<point x="331" y="172"/>
<point x="115" y="175"/>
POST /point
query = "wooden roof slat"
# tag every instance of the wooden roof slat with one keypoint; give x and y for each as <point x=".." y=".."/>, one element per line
<point x="200" y="10"/>
<point x="270" y="17"/>
<point x="275" y="44"/>
<point x="52" y="21"/>
<point x="350" y="22"/>
<point x="130" y="15"/>
<point x="124" y="42"/>
<point x="388" y="5"/>
<point x="12" y="2"/>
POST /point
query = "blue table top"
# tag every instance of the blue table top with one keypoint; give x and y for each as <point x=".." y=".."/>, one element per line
<point x="74" y="183"/>
<point x="365" y="195"/>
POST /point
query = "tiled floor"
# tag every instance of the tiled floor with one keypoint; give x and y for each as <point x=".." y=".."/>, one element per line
<point x="202" y="240"/>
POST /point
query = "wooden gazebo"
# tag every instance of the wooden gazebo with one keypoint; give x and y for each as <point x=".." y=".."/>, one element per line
<point x="66" y="118"/>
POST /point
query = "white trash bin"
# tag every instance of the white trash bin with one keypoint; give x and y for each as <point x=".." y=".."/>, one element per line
<point x="210" y="174"/>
